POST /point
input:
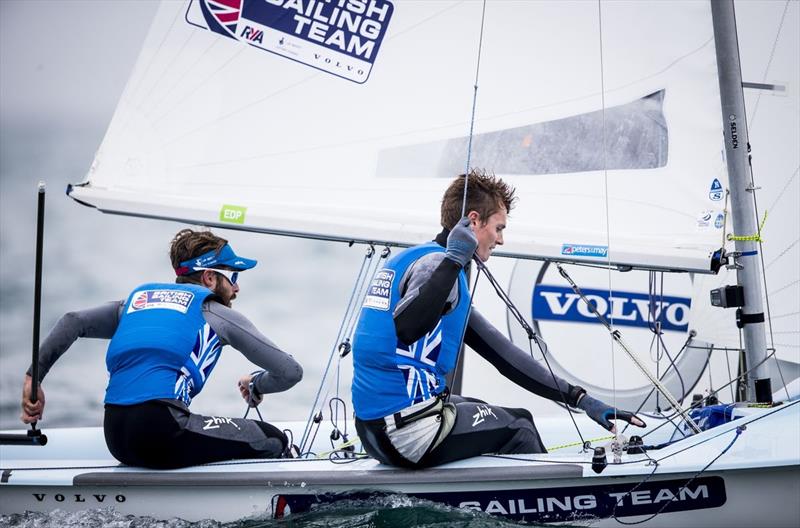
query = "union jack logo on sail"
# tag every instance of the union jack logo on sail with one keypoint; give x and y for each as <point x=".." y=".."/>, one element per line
<point x="222" y="16"/>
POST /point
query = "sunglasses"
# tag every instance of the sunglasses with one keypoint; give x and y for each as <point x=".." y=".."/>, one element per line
<point x="231" y="275"/>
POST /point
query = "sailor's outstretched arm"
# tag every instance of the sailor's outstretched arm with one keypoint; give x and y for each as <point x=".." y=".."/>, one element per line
<point x="98" y="322"/>
<point x="236" y="330"/>
<point x="516" y="364"/>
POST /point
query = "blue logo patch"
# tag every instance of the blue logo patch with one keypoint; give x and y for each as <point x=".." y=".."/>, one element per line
<point x="582" y="250"/>
<point x="716" y="193"/>
<point x="341" y="38"/>
<point x="560" y="303"/>
<point x="719" y="221"/>
<point x="380" y="290"/>
<point x="177" y="300"/>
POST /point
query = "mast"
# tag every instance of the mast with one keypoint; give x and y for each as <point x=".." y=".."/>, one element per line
<point x="734" y="122"/>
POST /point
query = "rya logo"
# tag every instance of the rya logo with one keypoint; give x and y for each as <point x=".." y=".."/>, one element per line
<point x="252" y="35"/>
<point x="556" y="303"/>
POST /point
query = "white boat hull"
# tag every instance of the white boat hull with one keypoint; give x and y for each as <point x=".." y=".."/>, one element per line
<point x="762" y="465"/>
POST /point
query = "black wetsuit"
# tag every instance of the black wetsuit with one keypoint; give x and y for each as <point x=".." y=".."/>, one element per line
<point x="429" y="290"/>
<point x="163" y="433"/>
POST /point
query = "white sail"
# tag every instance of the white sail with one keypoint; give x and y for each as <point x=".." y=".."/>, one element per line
<point x="769" y="36"/>
<point x="295" y="117"/>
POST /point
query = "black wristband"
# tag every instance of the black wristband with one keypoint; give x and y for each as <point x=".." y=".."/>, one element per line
<point x="576" y="392"/>
<point x="255" y="393"/>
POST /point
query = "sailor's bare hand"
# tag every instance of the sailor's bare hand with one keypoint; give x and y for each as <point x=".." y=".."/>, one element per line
<point x="249" y="396"/>
<point x="31" y="412"/>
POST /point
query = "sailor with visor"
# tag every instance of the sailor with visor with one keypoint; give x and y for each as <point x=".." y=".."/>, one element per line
<point x="166" y="339"/>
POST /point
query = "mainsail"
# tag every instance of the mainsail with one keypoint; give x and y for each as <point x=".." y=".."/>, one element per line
<point x="346" y="120"/>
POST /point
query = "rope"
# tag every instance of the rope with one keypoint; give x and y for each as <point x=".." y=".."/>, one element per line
<point x="573" y="444"/>
<point x="730" y="383"/>
<point x="764" y="274"/>
<point x="463" y="333"/>
<point x="694" y="477"/>
<point x="654" y="291"/>
<point x="532" y="336"/>
<point x="672" y="365"/>
<point x="472" y="118"/>
<point x="751" y="238"/>
<point x="314" y="416"/>
<point x="616" y="336"/>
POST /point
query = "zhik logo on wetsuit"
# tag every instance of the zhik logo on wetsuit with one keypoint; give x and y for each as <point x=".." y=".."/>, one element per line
<point x="213" y="422"/>
<point x="483" y="412"/>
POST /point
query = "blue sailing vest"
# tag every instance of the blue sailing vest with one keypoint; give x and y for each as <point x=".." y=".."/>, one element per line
<point x="163" y="347"/>
<point x="388" y="375"/>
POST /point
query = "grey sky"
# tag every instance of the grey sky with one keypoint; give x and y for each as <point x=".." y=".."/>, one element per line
<point x="68" y="59"/>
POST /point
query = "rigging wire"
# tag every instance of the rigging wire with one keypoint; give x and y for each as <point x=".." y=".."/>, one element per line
<point x="464" y="330"/>
<point x="532" y="336"/>
<point x="699" y="403"/>
<point x="472" y="118"/>
<point x="730" y="374"/>
<point x="616" y="335"/>
<point x="607" y="205"/>
<point x="655" y="327"/>
<point x="785" y="187"/>
<point x="750" y="124"/>
<point x="767" y="414"/>
<point x="466" y="182"/>
<point x="763" y="268"/>
<point x="366" y="264"/>
<point x="646" y="398"/>
<point x="749" y="421"/>
<point x="738" y="431"/>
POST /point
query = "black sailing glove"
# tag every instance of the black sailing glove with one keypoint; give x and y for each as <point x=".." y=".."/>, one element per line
<point x="603" y="413"/>
<point x="461" y="243"/>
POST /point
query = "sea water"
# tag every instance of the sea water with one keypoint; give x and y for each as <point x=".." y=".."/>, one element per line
<point x="395" y="511"/>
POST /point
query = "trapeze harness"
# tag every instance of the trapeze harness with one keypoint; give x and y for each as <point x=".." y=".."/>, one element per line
<point x="159" y="358"/>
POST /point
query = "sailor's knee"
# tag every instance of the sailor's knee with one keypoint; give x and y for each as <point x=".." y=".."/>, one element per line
<point x="274" y="442"/>
<point x="526" y="439"/>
